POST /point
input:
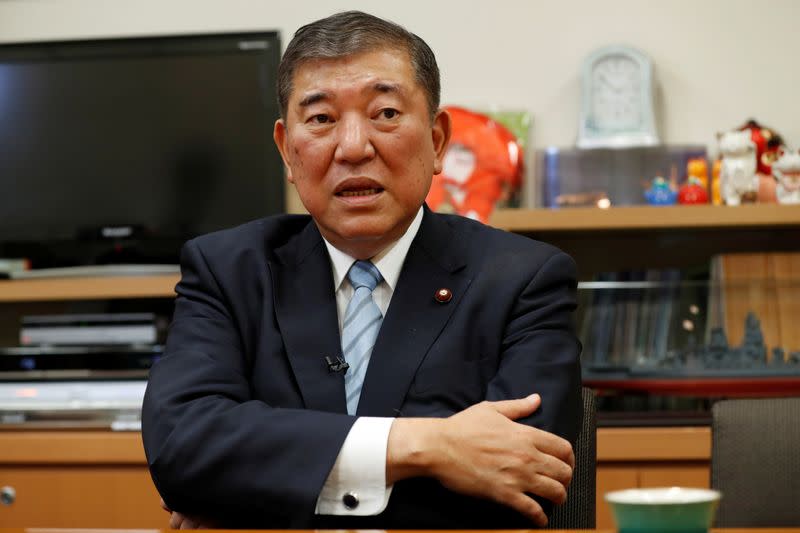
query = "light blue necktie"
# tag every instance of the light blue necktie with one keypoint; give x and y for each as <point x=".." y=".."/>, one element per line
<point x="362" y="321"/>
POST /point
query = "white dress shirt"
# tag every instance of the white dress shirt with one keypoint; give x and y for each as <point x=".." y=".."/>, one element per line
<point x="360" y="468"/>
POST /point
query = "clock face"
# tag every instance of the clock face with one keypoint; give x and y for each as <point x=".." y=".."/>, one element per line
<point x="616" y="96"/>
<point x="616" y="99"/>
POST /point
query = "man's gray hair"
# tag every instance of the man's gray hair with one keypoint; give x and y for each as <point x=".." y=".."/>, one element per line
<point x="353" y="32"/>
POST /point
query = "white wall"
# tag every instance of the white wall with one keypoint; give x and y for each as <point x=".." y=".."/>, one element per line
<point x="717" y="62"/>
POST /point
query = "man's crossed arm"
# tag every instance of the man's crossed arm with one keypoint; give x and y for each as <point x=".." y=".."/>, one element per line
<point x="480" y="451"/>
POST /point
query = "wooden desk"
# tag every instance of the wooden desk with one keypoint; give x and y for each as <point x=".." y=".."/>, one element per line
<point x="99" y="478"/>
<point x="78" y="530"/>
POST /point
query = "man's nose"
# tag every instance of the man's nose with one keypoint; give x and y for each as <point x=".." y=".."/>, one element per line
<point x="354" y="144"/>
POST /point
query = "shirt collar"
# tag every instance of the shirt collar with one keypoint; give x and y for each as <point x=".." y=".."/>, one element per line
<point x="389" y="261"/>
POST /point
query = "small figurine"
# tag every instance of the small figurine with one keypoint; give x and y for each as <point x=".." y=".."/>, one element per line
<point x="716" y="194"/>
<point x="787" y="172"/>
<point x="660" y="192"/>
<point x="697" y="167"/>
<point x="692" y="192"/>
<point x="767" y="142"/>
<point x="738" y="180"/>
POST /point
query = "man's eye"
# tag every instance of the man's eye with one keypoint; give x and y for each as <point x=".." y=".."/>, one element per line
<point x="389" y="113"/>
<point x="320" y="119"/>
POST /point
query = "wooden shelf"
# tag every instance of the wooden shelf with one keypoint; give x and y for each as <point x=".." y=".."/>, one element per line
<point x="645" y="237"/>
<point x="647" y="218"/>
<point x="753" y="386"/>
<point x="29" y="290"/>
<point x="758" y="225"/>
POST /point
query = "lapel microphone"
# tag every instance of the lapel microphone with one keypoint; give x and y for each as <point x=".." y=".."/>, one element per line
<point x="336" y="365"/>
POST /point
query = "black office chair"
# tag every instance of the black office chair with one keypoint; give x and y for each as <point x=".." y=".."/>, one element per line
<point x="755" y="462"/>
<point x="578" y="512"/>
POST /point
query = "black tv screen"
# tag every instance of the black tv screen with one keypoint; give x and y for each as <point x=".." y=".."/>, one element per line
<point x="120" y="150"/>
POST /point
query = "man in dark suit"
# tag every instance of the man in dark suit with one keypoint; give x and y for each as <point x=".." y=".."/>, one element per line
<point x="374" y="365"/>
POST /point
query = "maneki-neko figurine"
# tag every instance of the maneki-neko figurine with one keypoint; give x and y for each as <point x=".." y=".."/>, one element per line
<point x="786" y="170"/>
<point x="738" y="179"/>
<point x="697" y="167"/>
<point x="768" y="144"/>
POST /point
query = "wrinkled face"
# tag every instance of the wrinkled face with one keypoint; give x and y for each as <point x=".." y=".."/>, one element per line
<point x="360" y="147"/>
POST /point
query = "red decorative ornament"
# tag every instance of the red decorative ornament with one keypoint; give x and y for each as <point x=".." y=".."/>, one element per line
<point x="482" y="166"/>
<point x="692" y="192"/>
<point x="767" y="144"/>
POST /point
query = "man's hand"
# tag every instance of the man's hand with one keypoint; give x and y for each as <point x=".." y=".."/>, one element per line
<point x="180" y="521"/>
<point x="482" y="452"/>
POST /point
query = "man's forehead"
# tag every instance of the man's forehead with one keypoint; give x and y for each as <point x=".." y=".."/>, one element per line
<point x="382" y="71"/>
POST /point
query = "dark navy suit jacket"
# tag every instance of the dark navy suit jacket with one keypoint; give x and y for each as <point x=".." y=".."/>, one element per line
<point x="242" y="419"/>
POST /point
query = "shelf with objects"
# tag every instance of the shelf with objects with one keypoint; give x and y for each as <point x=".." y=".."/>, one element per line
<point x="681" y="301"/>
<point x="93" y="221"/>
<point x="637" y="240"/>
<point x="657" y="206"/>
<point x="631" y="237"/>
<point x="638" y="264"/>
<point x="660" y="345"/>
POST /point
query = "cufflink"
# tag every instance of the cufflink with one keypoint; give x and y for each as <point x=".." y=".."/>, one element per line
<point x="350" y="500"/>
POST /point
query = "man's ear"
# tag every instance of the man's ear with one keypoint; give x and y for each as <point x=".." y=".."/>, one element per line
<point x="440" y="133"/>
<point x="279" y="135"/>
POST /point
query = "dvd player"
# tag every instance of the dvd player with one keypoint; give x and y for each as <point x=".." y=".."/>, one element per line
<point x="89" y="329"/>
<point x="53" y="363"/>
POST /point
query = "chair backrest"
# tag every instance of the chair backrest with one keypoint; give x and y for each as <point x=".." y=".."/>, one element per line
<point x="755" y="462"/>
<point x="578" y="512"/>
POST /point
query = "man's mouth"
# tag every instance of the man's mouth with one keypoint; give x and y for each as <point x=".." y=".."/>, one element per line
<point x="358" y="188"/>
<point x="359" y="192"/>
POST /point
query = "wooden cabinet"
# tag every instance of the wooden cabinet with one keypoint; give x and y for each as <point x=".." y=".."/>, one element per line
<point x="86" y="479"/>
<point x="650" y="457"/>
<point x="86" y="496"/>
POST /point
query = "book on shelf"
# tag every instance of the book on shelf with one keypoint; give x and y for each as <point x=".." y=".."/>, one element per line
<point x="630" y="318"/>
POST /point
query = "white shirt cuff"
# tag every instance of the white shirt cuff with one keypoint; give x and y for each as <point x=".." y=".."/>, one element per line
<point x="359" y="472"/>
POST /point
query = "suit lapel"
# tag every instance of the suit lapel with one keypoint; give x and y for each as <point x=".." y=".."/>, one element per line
<point x="414" y="318"/>
<point x="305" y="307"/>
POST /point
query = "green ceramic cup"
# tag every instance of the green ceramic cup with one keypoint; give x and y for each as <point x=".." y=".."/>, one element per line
<point x="668" y="510"/>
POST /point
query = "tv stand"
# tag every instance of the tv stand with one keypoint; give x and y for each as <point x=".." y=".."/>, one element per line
<point x="97" y="271"/>
<point x="52" y="289"/>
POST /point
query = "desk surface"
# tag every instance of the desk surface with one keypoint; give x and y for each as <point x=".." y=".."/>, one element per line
<point x="57" y="530"/>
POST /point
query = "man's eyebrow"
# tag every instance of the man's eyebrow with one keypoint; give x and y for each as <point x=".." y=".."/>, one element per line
<point x="380" y="87"/>
<point x="387" y="87"/>
<point x="313" y="98"/>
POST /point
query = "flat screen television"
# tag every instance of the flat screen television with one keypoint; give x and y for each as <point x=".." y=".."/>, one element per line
<point x="118" y="150"/>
